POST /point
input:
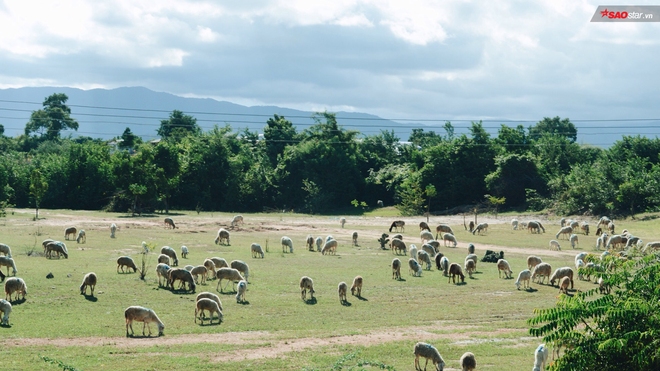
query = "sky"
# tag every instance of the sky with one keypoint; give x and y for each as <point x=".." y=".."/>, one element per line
<point x="408" y="60"/>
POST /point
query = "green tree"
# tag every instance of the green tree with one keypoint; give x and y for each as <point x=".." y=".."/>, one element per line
<point x="129" y="140"/>
<point x="420" y="138"/>
<point x="52" y="119"/>
<point x="430" y="193"/>
<point x="177" y="126"/>
<point x="512" y="140"/>
<point x="513" y="175"/>
<point x="278" y="133"/>
<point x="554" y="126"/>
<point x="38" y="188"/>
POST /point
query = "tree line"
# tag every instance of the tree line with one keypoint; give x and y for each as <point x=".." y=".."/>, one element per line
<point x="324" y="168"/>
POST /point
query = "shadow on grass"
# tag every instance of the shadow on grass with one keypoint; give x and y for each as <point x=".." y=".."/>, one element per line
<point x="530" y="289"/>
<point x="311" y="301"/>
<point x="227" y="292"/>
<point x="473" y="278"/>
<point x="140" y="216"/>
<point x="182" y="291"/>
<point x="346" y="303"/>
<point x="17" y="302"/>
<point x="461" y="283"/>
<point x="362" y="298"/>
<point x="142" y="336"/>
<point x="210" y="323"/>
<point x="401" y="279"/>
<point x="91" y="298"/>
<point x="5" y="326"/>
<point x="244" y="302"/>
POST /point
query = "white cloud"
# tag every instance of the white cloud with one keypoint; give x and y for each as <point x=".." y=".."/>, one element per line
<point x="168" y="57"/>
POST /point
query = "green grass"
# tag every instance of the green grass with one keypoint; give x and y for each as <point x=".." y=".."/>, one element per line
<point x="486" y="316"/>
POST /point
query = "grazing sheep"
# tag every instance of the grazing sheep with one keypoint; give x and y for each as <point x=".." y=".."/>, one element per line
<point x="88" y="280"/>
<point x="468" y="362"/>
<point x="633" y="240"/>
<point x="455" y="270"/>
<point x="523" y="277"/>
<point x="514" y="224"/>
<point x="563" y="285"/>
<point x="396" y="245"/>
<point x="396" y="269"/>
<point x="71" y="231"/>
<point x="162" y="271"/>
<point x="242" y="267"/>
<point x="5" y="249"/>
<point x="554" y="245"/>
<point x="574" y="240"/>
<point x="471" y="225"/>
<point x="342" y="221"/>
<point x="169" y="223"/>
<point x="257" y="251"/>
<point x="470" y="267"/>
<point x="319" y="243"/>
<point x="113" y="230"/>
<point x="380" y="203"/>
<point x="424" y="226"/>
<point x="584" y="227"/>
<point x="204" y="304"/>
<point x="240" y="291"/>
<point x="171" y="253"/>
<point x="15" y="285"/>
<point x="162" y="258"/>
<point x="199" y="270"/>
<point x="230" y="274"/>
<point x="219" y="262"/>
<point x="434" y="243"/>
<point x="564" y="231"/>
<point x="184" y="252"/>
<point x="429" y="352"/>
<point x="306" y="284"/>
<point x="616" y="241"/>
<point x="398" y="224"/>
<point x="341" y="289"/>
<point x="429" y="249"/>
<point x="579" y="266"/>
<point x="449" y="237"/>
<point x="126" y="261"/>
<point x="562" y="222"/>
<point x="46" y="242"/>
<point x="437" y="259"/>
<point x="209" y="295"/>
<point x="655" y="245"/>
<point x="223" y="237"/>
<point x="179" y="274"/>
<point x="8" y="262"/>
<point x="443" y="228"/>
<point x="357" y="286"/>
<point x="540" y="358"/>
<point x="471" y="249"/>
<point x="600" y="241"/>
<point x="503" y="266"/>
<point x="481" y="227"/>
<point x="535" y="225"/>
<point x="237" y="219"/>
<point x="57" y="247"/>
<point x="5" y="308"/>
<point x="355" y="238"/>
<point x="603" y="286"/>
<point x="604" y="221"/>
<point x="610" y="227"/>
<point x="413" y="251"/>
<point x="144" y="315"/>
<point x="414" y="267"/>
<point x="398" y="236"/>
<point x="444" y="266"/>
<point x="309" y="242"/>
<point x="574" y="224"/>
<point x="82" y="236"/>
<point x="523" y="225"/>
<point x="542" y="270"/>
<point x="286" y="242"/>
<point x="561" y="273"/>
<point x="423" y="257"/>
<point x="330" y="247"/>
<point x="533" y="261"/>
<point x="474" y="258"/>
<point x="426" y="236"/>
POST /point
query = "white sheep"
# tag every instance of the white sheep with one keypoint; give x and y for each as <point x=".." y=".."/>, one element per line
<point x="286" y="242"/>
<point x="342" y="221"/>
<point x="414" y="267"/>
<point x="503" y="266"/>
<point x="514" y="224"/>
<point x="5" y="308"/>
<point x="449" y="237"/>
<point x="600" y="241"/>
<point x="468" y="361"/>
<point x="604" y="221"/>
<point x="355" y="238"/>
<point x="603" y="286"/>
<point x="145" y="247"/>
<point x="533" y="261"/>
<point x="443" y="228"/>
<point x="481" y="227"/>
<point x="58" y="247"/>
<point x="523" y="278"/>
<point x="88" y="280"/>
<point x="535" y="226"/>
<point x="396" y="269"/>
<point x="199" y="270"/>
<point x="306" y="284"/>
<point x="219" y="262"/>
<point x="423" y="257"/>
<point x="342" y="288"/>
<point x="237" y="219"/>
<point x="204" y="304"/>
<point x="426" y="236"/>
<point x="328" y="238"/>
<point x="82" y="236"/>
<point x="357" y="286"/>
<point x="413" y="251"/>
<point x="15" y="285"/>
<point x="584" y="227"/>
<point x="429" y="352"/>
<point x="242" y="267"/>
<point x="396" y="245"/>
<point x="616" y="241"/>
<point x="444" y="264"/>
<point x="579" y="266"/>
<point x="230" y="274"/>
<point x="113" y="230"/>
<point x="184" y="252"/>
<point x="144" y="315"/>
<point x="474" y="258"/>
<point x="240" y="291"/>
<point x="164" y="259"/>
<point x="257" y="250"/>
<point x="189" y="267"/>
<point x="319" y="243"/>
<point x="542" y="270"/>
<point x="655" y="245"/>
<point x="560" y="273"/>
<point x="8" y="262"/>
<point x="126" y="261"/>
<point x="223" y="237"/>
<point x="171" y="253"/>
<point x="470" y="267"/>
<point x="429" y="249"/>
<point x="162" y="271"/>
<point x="564" y="231"/>
<point x="209" y="295"/>
<point x="5" y="249"/>
<point x="540" y="357"/>
<point x="330" y="247"/>
<point x="554" y="245"/>
<point x="574" y="240"/>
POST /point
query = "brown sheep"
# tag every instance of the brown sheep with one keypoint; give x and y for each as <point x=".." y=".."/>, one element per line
<point x="88" y="280"/>
<point x="71" y="231"/>
<point x="169" y="223"/>
<point x="126" y="261"/>
<point x="396" y="269"/>
<point x="455" y="270"/>
<point x="357" y="286"/>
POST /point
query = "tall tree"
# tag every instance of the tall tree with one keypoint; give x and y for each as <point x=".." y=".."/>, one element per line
<point x="278" y="133"/>
<point x="177" y="126"/>
<point x="129" y="140"/>
<point x="554" y="126"/>
<point x="52" y="119"/>
<point x="38" y="188"/>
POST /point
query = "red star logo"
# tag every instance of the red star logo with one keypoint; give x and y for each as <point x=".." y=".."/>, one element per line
<point x="604" y="13"/>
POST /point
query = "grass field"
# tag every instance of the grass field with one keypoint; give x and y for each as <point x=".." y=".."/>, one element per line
<point x="56" y="327"/>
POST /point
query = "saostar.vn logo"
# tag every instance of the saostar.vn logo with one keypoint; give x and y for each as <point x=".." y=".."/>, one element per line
<point x="613" y="15"/>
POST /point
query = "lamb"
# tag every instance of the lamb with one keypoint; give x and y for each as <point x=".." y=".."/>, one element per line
<point x="330" y="247"/>
<point x="355" y="238"/>
<point x="426" y="236"/>
<point x="242" y="267"/>
<point x="113" y="229"/>
<point x="57" y="247"/>
<point x="523" y="277"/>
<point x="444" y="264"/>
<point x="230" y="274"/>
<point x="309" y="242"/>
<point x="563" y="285"/>
<point x="179" y="274"/>
<point x="319" y="243"/>
<point x="514" y="224"/>
<point x="240" y="291"/>
<point x="397" y="245"/>
<point x="209" y="295"/>
<point x="5" y="249"/>
<point x="449" y="237"/>
<point x="223" y="236"/>
<point x="257" y="251"/>
<point x="171" y="253"/>
<point x="443" y="228"/>
<point x="204" y="304"/>
<point x="414" y="267"/>
<point x="357" y="286"/>
<point x="286" y="242"/>
<point x="424" y="226"/>
<point x="88" y="280"/>
<point x="561" y="273"/>
<point x="503" y="266"/>
<point x="144" y="315"/>
<point x="162" y="271"/>
<point x="474" y="258"/>
<point x="342" y="221"/>
<point x="533" y="261"/>
<point x="199" y="270"/>
<point x="542" y="270"/>
<point x="169" y="223"/>
<point x="8" y="262"/>
<point x="126" y="261"/>
<point x="341" y="289"/>
<point x="5" y="308"/>
<point x="564" y="231"/>
<point x="423" y="257"/>
<point x="429" y="352"/>
<point x="600" y="241"/>
<point x="584" y="227"/>
<point x="554" y="245"/>
<point x="468" y="362"/>
<point x="540" y="357"/>
<point x="455" y="270"/>
<point x="82" y="236"/>
<point x="210" y="267"/>
<point x="470" y="267"/>
<point x="184" y="252"/>
<point x="71" y="231"/>
<point x="396" y="269"/>
<point x="162" y="258"/>
<point x="306" y="284"/>
<point x="237" y="219"/>
<point x="398" y="224"/>
<point x="413" y="251"/>
<point x="15" y="285"/>
<point x="429" y="249"/>
<point x="481" y="227"/>
<point x="574" y="240"/>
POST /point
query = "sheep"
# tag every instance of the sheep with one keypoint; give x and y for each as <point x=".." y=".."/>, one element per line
<point x="237" y="219"/>
<point x="424" y="226"/>
<point x="429" y="249"/>
<point x="355" y="238"/>
<point x="429" y="352"/>
<point x="396" y="269"/>
<point x="455" y="270"/>
<point x="171" y="253"/>
<point x="342" y="221"/>
<point x="584" y="227"/>
<point x="523" y="225"/>
<point x="413" y="251"/>
<point x="633" y="240"/>
<point x="604" y="221"/>
<point x="470" y="267"/>
<point x="580" y="256"/>
<point x="655" y="245"/>
<point x="184" y="252"/>
<point x="357" y="286"/>
<point x="71" y="231"/>
<point x="540" y="357"/>
<point x="189" y="267"/>
<point x="230" y="274"/>
<point x="319" y="243"/>
<point x="330" y="247"/>
<point x="423" y="257"/>
<point x="88" y="280"/>
<point x="5" y="249"/>
<point x="397" y="245"/>
<point x="199" y="270"/>
<point x="434" y="243"/>
<point x="8" y="262"/>
<point x="562" y="222"/>
<point x="603" y="286"/>
<point x="257" y="251"/>
<point x="414" y="267"/>
<point x="286" y="242"/>
<point x="179" y="274"/>
<point x="242" y="267"/>
<point x="341" y="289"/>
<point x="82" y="236"/>
<point x="437" y="259"/>
<point x="523" y="278"/>
<point x="503" y="266"/>
<point x="574" y="240"/>
<point x="514" y="224"/>
<point x="169" y="223"/>
<point x="380" y="203"/>
<point x="144" y="315"/>
<point x="610" y="227"/>
<point x="57" y="247"/>
<point x="481" y="227"/>
<point x="204" y="304"/>
<point x="615" y="241"/>
<point x="444" y="265"/>
<point x="563" y="285"/>
<point x="398" y="224"/>
<point x="309" y="242"/>
<point x="542" y="270"/>
<point x="474" y="258"/>
<point x="468" y="362"/>
<point x="564" y="231"/>
<point x="554" y="245"/>
<point x="5" y="308"/>
<point x="449" y="237"/>
<point x="535" y="225"/>
<point x="113" y="230"/>
<point x="223" y="236"/>
<point x="46" y="242"/>
<point x="579" y="266"/>
<point x="574" y="224"/>
<point x="600" y="241"/>
<point x="398" y="236"/>
<point x="209" y="295"/>
<point x="426" y="236"/>
<point x="162" y="258"/>
<point x="561" y="273"/>
<point x="533" y="261"/>
<point x="240" y="291"/>
<point x="306" y="284"/>
<point x="15" y="285"/>
<point x="443" y="228"/>
<point x="470" y="248"/>
<point x="126" y="261"/>
<point x="162" y="270"/>
<point x="219" y="262"/>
